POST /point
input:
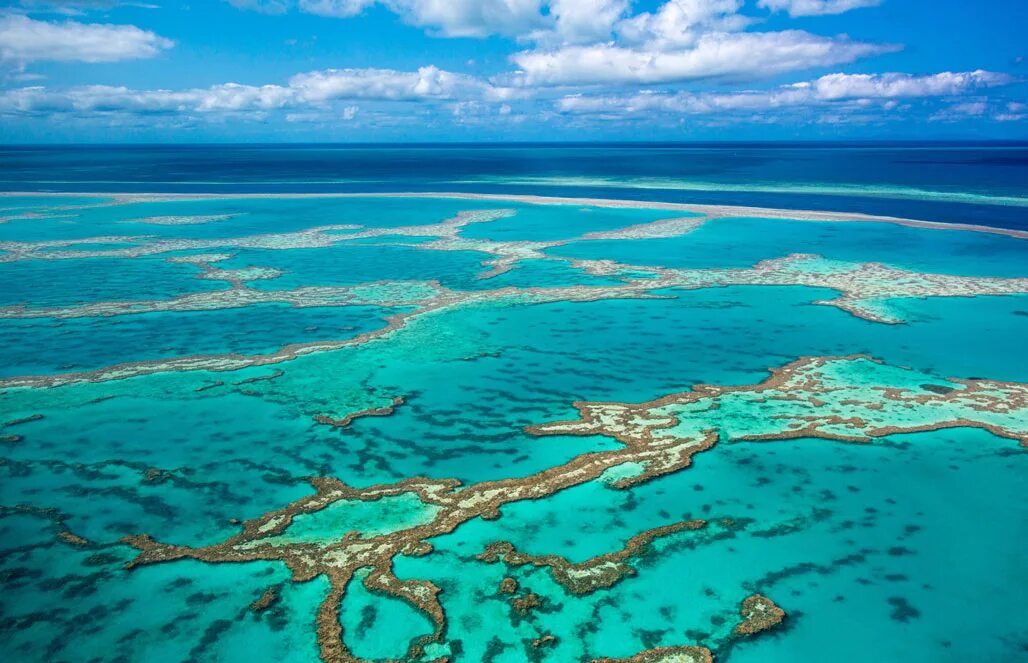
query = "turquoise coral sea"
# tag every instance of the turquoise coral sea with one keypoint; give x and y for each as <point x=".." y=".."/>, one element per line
<point x="908" y="548"/>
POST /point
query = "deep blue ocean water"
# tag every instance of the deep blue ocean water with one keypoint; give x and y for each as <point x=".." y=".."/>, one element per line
<point x="966" y="182"/>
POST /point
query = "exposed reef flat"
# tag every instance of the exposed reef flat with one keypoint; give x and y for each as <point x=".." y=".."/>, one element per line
<point x="848" y="399"/>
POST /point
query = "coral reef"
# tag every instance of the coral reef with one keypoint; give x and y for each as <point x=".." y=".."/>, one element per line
<point x="759" y="613"/>
<point x="850" y="399"/>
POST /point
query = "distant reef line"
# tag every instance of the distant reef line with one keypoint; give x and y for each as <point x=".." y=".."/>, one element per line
<point x="710" y="211"/>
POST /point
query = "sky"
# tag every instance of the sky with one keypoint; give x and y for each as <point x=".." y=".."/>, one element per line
<point x="511" y="70"/>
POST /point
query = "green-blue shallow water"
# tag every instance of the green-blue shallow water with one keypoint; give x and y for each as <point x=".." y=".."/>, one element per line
<point x="407" y="352"/>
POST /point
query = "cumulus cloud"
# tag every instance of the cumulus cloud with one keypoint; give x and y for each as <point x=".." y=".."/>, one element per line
<point x="336" y="8"/>
<point x="387" y="84"/>
<point x="447" y="18"/>
<point x="602" y="42"/>
<point x="263" y="6"/>
<point x="545" y="21"/>
<point x="471" y="18"/>
<point x="816" y="7"/>
<point x="24" y="40"/>
<point x="582" y="21"/>
<point x="833" y="89"/>
<point x="841" y="86"/>
<point x="680" y="23"/>
<point x="735" y="56"/>
<point x="960" y="111"/>
<point x="1014" y="111"/>
<point x="78" y="7"/>
<point x="316" y="89"/>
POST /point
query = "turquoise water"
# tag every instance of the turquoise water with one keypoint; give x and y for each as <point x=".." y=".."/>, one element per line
<point x="45" y="283"/>
<point x="741" y="242"/>
<point x="907" y="548"/>
<point x="46" y="345"/>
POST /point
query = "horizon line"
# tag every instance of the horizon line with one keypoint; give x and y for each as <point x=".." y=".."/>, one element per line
<point x="941" y="142"/>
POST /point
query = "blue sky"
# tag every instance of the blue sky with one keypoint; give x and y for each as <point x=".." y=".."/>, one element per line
<point x="471" y="70"/>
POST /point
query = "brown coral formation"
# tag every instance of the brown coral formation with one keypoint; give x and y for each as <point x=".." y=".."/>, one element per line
<point x="265" y="601"/>
<point x="526" y="603"/>
<point x="345" y="421"/>
<point x="56" y="518"/>
<point x="155" y="475"/>
<point x="508" y="586"/>
<point x="594" y="573"/>
<point x="801" y="381"/>
<point x="72" y="538"/>
<point x="341" y="560"/>
<point x="759" y="613"/>
<point x="547" y="640"/>
<point x="24" y="420"/>
<point x="665" y="655"/>
<point x="274" y="375"/>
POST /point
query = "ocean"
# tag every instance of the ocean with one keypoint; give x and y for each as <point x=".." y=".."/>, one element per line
<point x="754" y="402"/>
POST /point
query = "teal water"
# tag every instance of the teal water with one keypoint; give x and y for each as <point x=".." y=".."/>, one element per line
<point x="908" y="548"/>
<point x="47" y="345"/>
<point x="46" y="283"/>
<point x="742" y="242"/>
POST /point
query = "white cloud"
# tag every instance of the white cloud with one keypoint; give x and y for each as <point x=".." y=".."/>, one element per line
<point x="602" y="42"/>
<point x="335" y="8"/>
<point x="546" y="21"/>
<point x="387" y="84"/>
<point x="24" y="40"/>
<point x="816" y="7"/>
<point x="446" y="18"/>
<point x="736" y="56"/>
<point x="78" y="7"/>
<point x="969" y="108"/>
<point x="107" y="99"/>
<point x="850" y="90"/>
<point x="960" y="111"/>
<point x="471" y="18"/>
<point x="263" y="6"/>
<point x="841" y="86"/>
<point x="313" y="90"/>
<point x="679" y="23"/>
<point x="1013" y="112"/>
<point x="583" y="21"/>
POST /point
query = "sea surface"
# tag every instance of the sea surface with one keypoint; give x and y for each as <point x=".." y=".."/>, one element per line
<point x="321" y="410"/>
